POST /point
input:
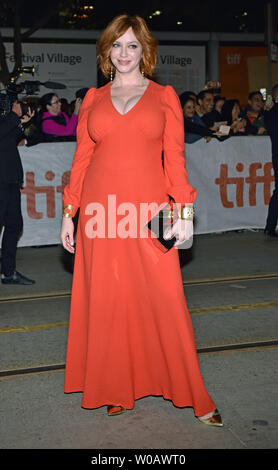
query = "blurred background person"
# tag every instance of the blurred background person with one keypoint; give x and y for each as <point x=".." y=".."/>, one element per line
<point x="254" y="114"/>
<point x="194" y="128"/>
<point x="204" y="107"/>
<point x="231" y="114"/>
<point x="65" y="106"/>
<point x="79" y="94"/>
<point x="204" y="103"/>
<point x="56" y="123"/>
<point x="271" y="122"/>
<point x="218" y="104"/>
<point x="189" y="94"/>
<point x="215" y="115"/>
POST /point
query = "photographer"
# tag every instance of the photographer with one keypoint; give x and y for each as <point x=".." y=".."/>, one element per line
<point x="11" y="179"/>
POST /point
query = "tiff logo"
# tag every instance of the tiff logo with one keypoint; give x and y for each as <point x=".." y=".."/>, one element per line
<point x="233" y="59"/>
<point x="31" y="190"/>
<point x="253" y="179"/>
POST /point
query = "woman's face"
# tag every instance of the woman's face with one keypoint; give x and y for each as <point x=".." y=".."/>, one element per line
<point x="55" y="105"/>
<point x="126" y="52"/>
<point x="235" y="112"/>
<point x="219" y="105"/>
<point x="189" y="109"/>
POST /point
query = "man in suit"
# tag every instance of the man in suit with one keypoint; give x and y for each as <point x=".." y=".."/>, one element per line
<point x="271" y="124"/>
<point x="11" y="179"/>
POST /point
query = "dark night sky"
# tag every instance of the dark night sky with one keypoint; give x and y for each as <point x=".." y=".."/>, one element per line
<point x="197" y="15"/>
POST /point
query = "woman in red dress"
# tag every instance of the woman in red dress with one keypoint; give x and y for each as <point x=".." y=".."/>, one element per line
<point x="130" y="332"/>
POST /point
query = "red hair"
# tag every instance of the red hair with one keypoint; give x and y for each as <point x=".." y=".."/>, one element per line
<point x="116" y="28"/>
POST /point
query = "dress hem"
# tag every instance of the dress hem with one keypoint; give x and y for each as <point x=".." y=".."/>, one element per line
<point x="130" y="407"/>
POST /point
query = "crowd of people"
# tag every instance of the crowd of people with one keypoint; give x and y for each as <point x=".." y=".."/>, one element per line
<point x="55" y="119"/>
<point x="209" y="115"/>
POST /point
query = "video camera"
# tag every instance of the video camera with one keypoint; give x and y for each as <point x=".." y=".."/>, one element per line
<point x="10" y="94"/>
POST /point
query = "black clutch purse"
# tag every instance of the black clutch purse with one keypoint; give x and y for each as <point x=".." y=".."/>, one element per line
<point x="163" y="221"/>
<point x="158" y="224"/>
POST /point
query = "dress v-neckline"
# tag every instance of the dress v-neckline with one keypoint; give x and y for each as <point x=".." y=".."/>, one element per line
<point x="134" y="106"/>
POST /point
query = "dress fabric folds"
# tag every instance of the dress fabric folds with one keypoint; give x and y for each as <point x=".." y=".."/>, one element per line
<point x="130" y="332"/>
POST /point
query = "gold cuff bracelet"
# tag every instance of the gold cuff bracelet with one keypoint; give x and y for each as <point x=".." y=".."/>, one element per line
<point x="68" y="211"/>
<point x="187" y="212"/>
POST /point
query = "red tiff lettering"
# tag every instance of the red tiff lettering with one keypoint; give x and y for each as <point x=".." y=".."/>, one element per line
<point x="30" y="190"/>
<point x="252" y="180"/>
<point x="224" y="181"/>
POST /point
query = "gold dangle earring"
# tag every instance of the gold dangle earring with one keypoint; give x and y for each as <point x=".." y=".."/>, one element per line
<point x="143" y="75"/>
<point x="142" y="69"/>
<point x="111" y="74"/>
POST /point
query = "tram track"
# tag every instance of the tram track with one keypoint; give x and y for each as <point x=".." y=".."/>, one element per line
<point x="193" y="311"/>
<point x="193" y="282"/>
<point x="256" y="345"/>
<point x="225" y="348"/>
<point x="225" y="280"/>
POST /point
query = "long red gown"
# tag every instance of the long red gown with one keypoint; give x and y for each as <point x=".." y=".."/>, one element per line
<point x="130" y="332"/>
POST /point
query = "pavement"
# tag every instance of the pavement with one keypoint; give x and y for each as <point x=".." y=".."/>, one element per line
<point x="231" y="286"/>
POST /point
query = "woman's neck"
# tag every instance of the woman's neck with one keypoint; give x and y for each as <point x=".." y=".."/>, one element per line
<point x="131" y="79"/>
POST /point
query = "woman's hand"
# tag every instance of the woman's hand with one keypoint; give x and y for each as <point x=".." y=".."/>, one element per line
<point x="237" y="125"/>
<point x="212" y="84"/>
<point x="216" y="126"/>
<point x="66" y="234"/>
<point x="77" y="105"/>
<point x="268" y="106"/>
<point x="242" y="124"/>
<point x="181" y="229"/>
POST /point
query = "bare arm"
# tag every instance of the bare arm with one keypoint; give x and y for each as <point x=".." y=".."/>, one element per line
<point x="67" y="230"/>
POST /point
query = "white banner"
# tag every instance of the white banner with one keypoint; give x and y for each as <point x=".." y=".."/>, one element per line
<point x="234" y="180"/>
<point x="46" y="172"/>
<point x="73" y="65"/>
<point x="183" y="67"/>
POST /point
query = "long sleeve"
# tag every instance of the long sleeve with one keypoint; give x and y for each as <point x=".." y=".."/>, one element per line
<point x="194" y="128"/>
<point x="49" y="126"/>
<point x="173" y="145"/>
<point x="83" y="153"/>
<point x="191" y="138"/>
<point x="271" y="120"/>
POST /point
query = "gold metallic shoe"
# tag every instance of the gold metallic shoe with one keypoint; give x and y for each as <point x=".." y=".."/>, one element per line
<point x="113" y="410"/>
<point x="214" y="420"/>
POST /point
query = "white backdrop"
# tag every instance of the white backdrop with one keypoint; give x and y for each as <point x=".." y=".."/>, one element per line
<point x="73" y="65"/>
<point x="183" y="67"/>
<point x="234" y="180"/>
